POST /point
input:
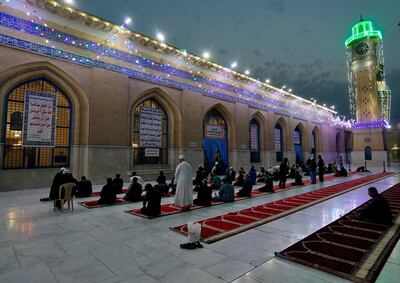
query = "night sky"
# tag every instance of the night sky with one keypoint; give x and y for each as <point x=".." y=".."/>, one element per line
<point x="298" y="43"/>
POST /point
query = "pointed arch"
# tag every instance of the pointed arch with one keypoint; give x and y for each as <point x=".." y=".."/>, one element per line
<point x="46" y="70"/>
<point x="263" y="130"/>
<point x="174" y="114"/>
<point x="229" y="121"/>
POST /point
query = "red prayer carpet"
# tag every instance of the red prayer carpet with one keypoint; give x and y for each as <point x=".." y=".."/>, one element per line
<point x="223" y="226"/>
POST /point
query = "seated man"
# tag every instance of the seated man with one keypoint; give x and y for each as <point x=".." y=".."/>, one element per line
<point x="107" y="195"/>
<point x="162" y="186"/>
<point x="214" y="181"/>
<point x="151" y="202"/>
<point x="343" y="171"/>
<point x="118" y="184"/>
<point x="269" y="184"/>
<point x="226" y="192"/>
<point x="245" y="191"/>
<point x="134" y="192"/>
<point x="377" y="210"/>
<point x="261" y="175"/>
<point x="298" y="176"/>
<point x="204" y="193"/>
<point x="239" y="180"/>
<point x="83" y="188"/>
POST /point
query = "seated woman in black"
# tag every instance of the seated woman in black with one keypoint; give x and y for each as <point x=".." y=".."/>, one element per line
<point x="152" y="201"/>
<point x="83" y="188"/>
<point x="247" y="187"/>
<point x="204" y="194"/>
<point x="134" y="192"/>
<point x="239" y="180"/>
<point x="107" y="195"/>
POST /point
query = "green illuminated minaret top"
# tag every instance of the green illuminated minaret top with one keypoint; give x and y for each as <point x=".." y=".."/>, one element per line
<point x="361" y="31"/>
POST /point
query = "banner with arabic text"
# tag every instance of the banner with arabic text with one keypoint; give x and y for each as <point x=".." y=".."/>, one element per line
<point x="39" y="126"/>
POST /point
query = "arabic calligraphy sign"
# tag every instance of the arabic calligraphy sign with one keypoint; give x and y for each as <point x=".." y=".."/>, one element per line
<point x="150" y="127"/>
<point x="39" y="124"/>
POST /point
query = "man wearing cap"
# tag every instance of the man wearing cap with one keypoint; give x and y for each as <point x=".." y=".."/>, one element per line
<point x="184" y="184"/>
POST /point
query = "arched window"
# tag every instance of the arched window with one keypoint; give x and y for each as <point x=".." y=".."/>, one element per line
<point x="254" y="141"/>
<point x="150" y="133"/>
<point x="17" y="156"/>
<point x="215" y="140"/>
<point x="278" y="143"/>
<point x="368" y="153"/>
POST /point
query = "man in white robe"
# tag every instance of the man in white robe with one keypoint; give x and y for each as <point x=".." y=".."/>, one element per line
<point x="184" y="184"/>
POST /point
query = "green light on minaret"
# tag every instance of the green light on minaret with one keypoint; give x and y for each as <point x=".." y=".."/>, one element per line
<point x="361" y="31"/>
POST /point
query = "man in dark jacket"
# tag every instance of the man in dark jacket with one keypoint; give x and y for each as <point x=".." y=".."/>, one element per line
<point x="107" y="195"/>
<point x="245" y="191"/>
<point x="118" y="184"/>
<point x="283" y="171"/>
<point x="378" y="209"/>
<point x="134" y="192"/>
<point x="152" y="201"/>
<point x="204" y="194"/>
<point x="83" y="188"/>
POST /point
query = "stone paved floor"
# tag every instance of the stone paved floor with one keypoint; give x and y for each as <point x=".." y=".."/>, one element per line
<point x="108" y="245"/>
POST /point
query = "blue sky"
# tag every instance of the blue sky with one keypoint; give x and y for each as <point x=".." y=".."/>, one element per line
<point x="298" y="43"/>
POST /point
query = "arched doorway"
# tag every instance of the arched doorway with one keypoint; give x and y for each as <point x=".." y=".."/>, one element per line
<point x="254" y="141"/>
<point x="44" y="139"/>
<point x="149" y="133"/>
<point x="215" y="140"/>
<point x="298" y="147"/>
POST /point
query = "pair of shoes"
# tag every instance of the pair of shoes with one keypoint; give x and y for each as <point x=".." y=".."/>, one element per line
<point x="188" y="246"/>
<point x="45" y="199"/>
<point x="191" y="246"/>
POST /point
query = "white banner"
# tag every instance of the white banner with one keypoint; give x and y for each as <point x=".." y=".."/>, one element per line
<point x="253" y="137"/>
<point x="215" y="132"/>
<point x="278" y="140"/>
<point x="39" y="124"/>
<point x="151" y="127"/>
<point x="152" y="152"/>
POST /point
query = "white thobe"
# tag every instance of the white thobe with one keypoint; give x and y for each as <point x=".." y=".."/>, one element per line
<point x="184" y="184"/>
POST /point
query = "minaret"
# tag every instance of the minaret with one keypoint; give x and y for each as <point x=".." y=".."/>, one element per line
<point x="370" y="101"/>
<point x="368" y="93"/>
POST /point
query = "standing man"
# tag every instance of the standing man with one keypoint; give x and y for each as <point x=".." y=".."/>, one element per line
<point x="321" y="168"/>
<point x="184" y="184"/>
<point x="312" y="168"/>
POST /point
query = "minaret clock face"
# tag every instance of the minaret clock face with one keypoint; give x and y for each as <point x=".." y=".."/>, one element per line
<point x="362" y="48"/>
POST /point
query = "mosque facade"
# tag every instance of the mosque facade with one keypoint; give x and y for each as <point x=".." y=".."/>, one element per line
<point x="77" y="91"/>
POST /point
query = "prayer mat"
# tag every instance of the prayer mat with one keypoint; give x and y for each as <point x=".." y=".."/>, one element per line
<point x="223" y="226"/>
<point x="349" y="247"/>
<point x="95" y="204"/>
